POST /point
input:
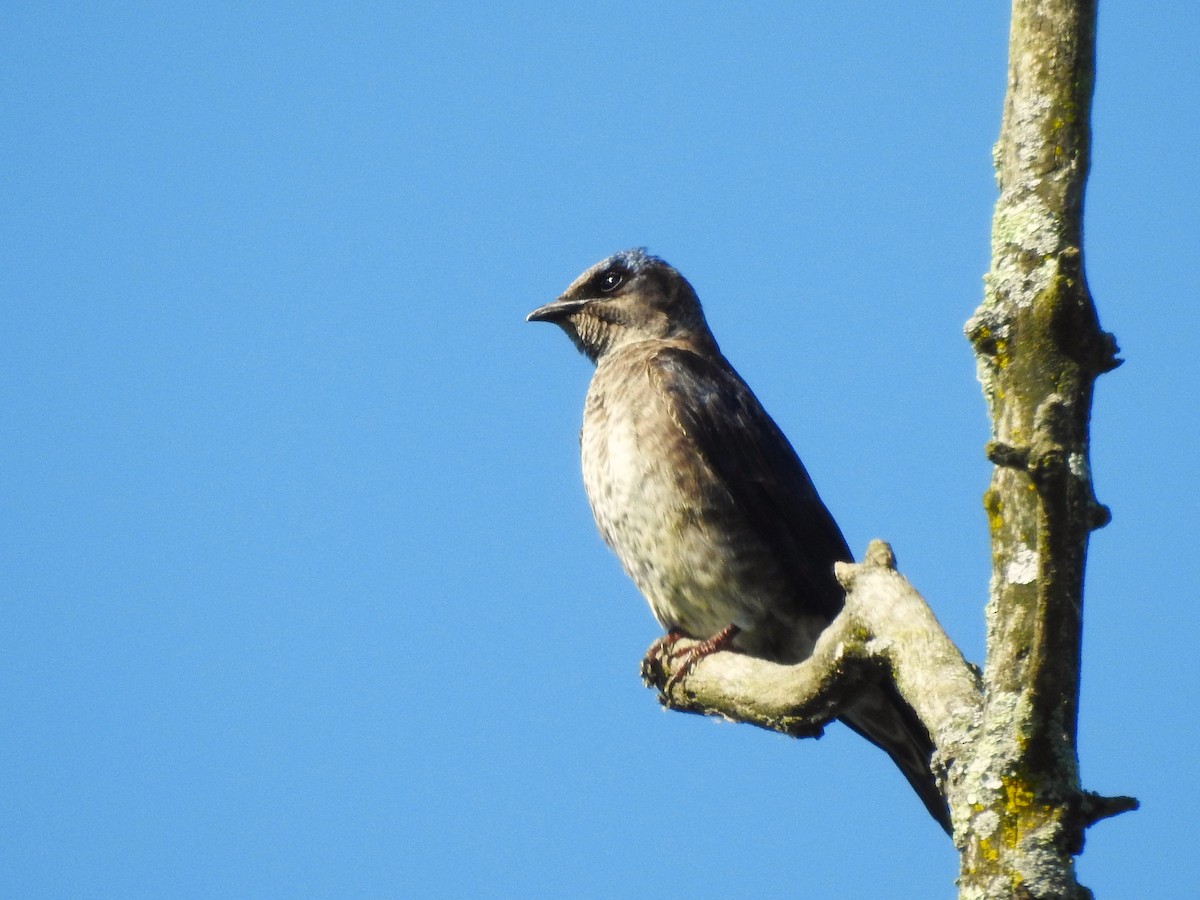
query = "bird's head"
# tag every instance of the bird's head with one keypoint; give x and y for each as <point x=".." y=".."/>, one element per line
<point x="629" y="297"/>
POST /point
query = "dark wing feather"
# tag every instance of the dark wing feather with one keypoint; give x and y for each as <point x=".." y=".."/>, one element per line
<point x="762" y="473"/>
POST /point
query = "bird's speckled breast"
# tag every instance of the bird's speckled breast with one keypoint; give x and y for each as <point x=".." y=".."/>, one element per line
<point x="640" y="473"/>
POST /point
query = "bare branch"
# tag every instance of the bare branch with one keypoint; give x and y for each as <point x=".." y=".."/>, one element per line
<point x="886" y="629"/>
<point x="795" y="700"/>
<point x="927" y="668"/>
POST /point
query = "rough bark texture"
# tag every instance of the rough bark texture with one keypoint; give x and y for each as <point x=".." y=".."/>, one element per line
<point x="1006" y="756"/>
<point x="1039" y="349"/>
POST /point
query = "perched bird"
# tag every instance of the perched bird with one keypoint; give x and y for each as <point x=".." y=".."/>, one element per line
<point x="701" y="496"/>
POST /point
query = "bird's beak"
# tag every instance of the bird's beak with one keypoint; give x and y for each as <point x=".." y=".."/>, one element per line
<point x="556" y="311"/>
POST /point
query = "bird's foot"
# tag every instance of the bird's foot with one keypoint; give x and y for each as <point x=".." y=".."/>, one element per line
<point x="662" y="648"/>
<point x="689" y="657"/>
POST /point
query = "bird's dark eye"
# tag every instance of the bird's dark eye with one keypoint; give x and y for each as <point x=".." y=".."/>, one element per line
<point x="610" y="281"/>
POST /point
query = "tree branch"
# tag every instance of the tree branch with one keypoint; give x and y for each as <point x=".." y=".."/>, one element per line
<point x="885" y="628"/>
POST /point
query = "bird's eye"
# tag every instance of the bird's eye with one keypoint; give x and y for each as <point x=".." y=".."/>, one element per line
<point x="610" y="281"/>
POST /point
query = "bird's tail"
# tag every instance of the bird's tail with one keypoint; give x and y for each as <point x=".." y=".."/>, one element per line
<point x="883" y="718"/>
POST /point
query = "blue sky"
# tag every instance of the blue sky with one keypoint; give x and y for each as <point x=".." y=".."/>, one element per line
<point x="302" y="595"/>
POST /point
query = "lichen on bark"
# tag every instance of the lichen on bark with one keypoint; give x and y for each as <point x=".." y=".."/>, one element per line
<point x="1039" y="348"/>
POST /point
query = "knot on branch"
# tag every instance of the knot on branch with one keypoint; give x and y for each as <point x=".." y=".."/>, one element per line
<point x="1047" y="463"/>
<point x="1047" y="460"/>
<point x="1046" y="456"/>
<point x="989" y="335"/>
<point x="1091" y="808"/>
<point x="1002" y="454"/>
<point x="1043" y="460"/>
<point x="1106" y="358"/>
<point x="1073" y="318"/>
<point x="1099" y="515"/>
<point x="879" y="555"/>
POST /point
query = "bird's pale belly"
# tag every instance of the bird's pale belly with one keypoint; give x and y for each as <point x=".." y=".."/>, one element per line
<point x="669" y="536"/>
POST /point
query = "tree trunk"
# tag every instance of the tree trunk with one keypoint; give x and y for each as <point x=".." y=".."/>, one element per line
<point x="1039" y="349"/>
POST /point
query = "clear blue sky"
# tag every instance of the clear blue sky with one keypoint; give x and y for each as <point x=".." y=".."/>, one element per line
<point x="301" y="593"/>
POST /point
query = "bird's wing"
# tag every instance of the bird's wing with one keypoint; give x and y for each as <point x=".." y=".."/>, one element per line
<point x="724" y="423"/>
<point x="723" y="420"/>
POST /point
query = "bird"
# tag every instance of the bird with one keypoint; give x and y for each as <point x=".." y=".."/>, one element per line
<point x="701" y="496"/>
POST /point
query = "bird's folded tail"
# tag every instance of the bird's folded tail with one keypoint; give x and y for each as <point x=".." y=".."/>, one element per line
<point x="883" y="718"/>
